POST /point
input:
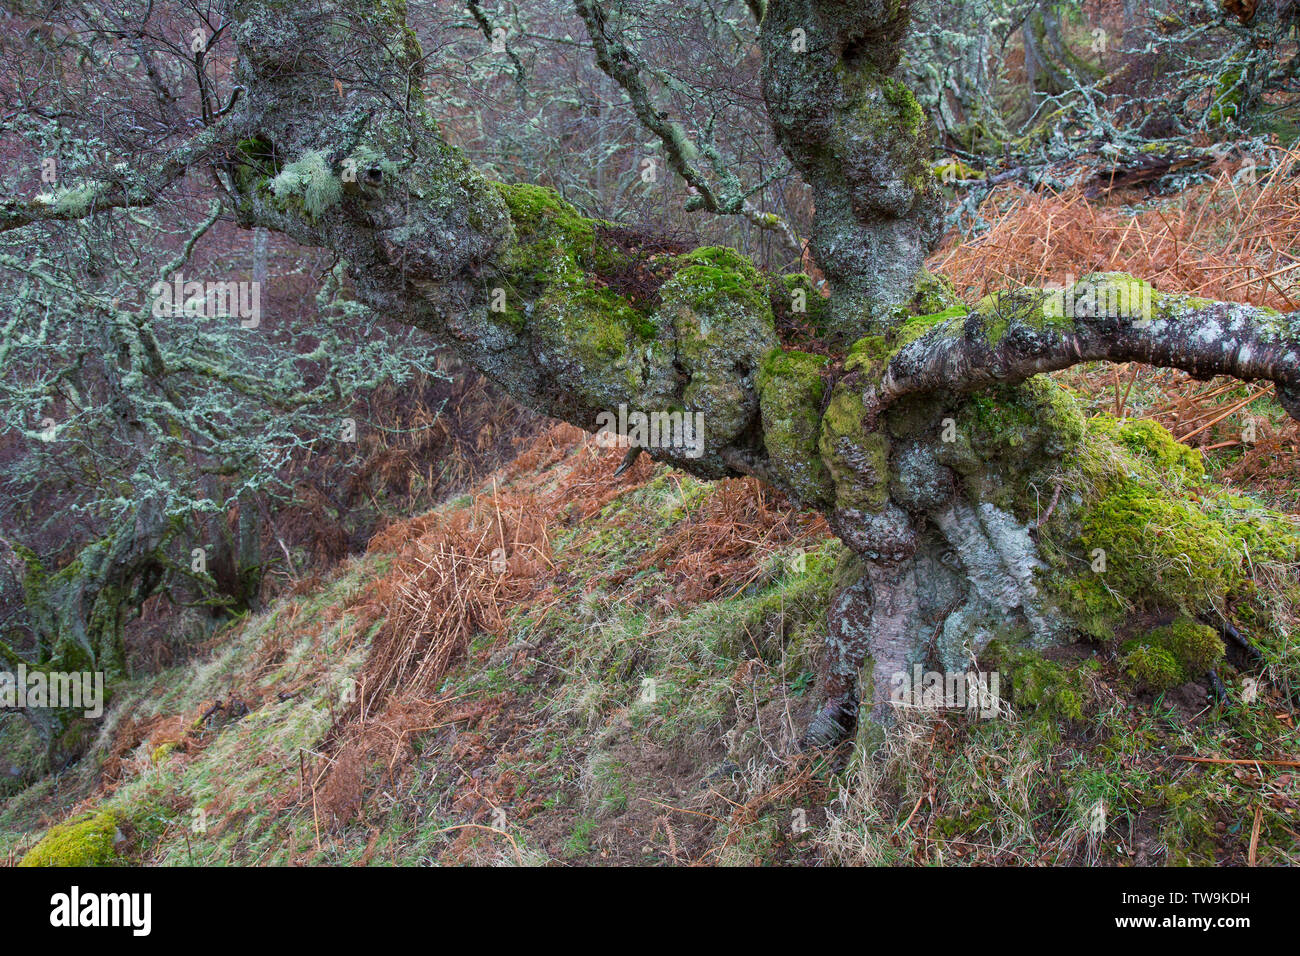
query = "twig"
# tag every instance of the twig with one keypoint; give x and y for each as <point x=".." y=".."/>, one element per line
<point x="1236" y="761"/>
<point x="682" y="810"/>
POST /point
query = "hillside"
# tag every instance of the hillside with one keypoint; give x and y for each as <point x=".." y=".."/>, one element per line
<point x="568" y="667"/>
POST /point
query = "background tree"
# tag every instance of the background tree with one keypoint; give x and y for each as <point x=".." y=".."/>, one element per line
<point x="150" y="406"/>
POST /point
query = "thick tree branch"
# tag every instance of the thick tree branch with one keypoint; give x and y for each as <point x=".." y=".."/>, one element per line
<point x="861" y="141"/>
<point x="1109" y="317"/>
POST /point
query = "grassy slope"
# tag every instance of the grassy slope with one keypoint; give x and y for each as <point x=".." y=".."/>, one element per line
<point x="637" y="703"/>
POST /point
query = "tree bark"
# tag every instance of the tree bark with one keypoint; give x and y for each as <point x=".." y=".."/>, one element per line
<point x="333" y="146"/>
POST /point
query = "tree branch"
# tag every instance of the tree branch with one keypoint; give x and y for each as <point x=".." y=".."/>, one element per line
<point x="126" y="189"/>
<point x="1109" y="317"/>
<point x="621" y="64"/>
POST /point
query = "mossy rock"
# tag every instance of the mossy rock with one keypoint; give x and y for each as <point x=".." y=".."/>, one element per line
<point x="1160" y="538"/>
<point x="1153" y="442"/>
<point x="719" y="276"/>
<point x="1173" y="654"/>
<point x="1152" y="668"/>
<point x="90" y="840"/>
<point x="1197" y="647"/>
<point x="1046" y="686"/>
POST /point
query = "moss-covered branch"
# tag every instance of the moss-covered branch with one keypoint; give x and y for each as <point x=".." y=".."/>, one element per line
<point x="861" y="141"/>
<point x="1106" y="317"/>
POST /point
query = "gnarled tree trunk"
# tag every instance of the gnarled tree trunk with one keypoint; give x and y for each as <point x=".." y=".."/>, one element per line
<point x="969" y="490"/>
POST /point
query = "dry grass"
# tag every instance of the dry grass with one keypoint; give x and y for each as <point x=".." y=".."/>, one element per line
<point x="1228" y="240"/>
<point x="1234" y="239"/>
<point x="706" y="557"/>
<point x="470" y="569"/>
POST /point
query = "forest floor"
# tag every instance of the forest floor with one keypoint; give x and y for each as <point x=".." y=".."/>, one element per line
<point x="627" y="686"/>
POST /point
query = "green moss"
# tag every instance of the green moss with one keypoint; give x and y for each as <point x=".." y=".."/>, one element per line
<point x="1153" y="443"/>
<point x="1116" y="295"/>
<point x="535" y="208"/>
<point x="790" y="391"/>
<point x="86" y="841"/>
<point x="1033" y="311"/>
<point x="256" y="163"/>
<point x="1227" y="98"/>
<point x="1169" y="540"/>
<point x="1154" y="544"/>
<point x="1005" y="438"/>
<point x="817" y="307"/>
<point x="1047" y="687"/>
<point x="1196" y="647"/>
<point x="872" y="353"/>
<point x="1152" y="668"/>
<point x="857" y="458"/>
<point x="933" y="293"/>
<point x="712" y="274"/>
<point x="1162" y="551"/>
<point x="905" y="106"/>
<point x="867" y="355"/>
<point x="593" y="322"/>
<point x="555" y="262"/>
<point x="965" y="824"/>
<point x="721" y="318"/>
<point x="919" y="325"/>
<point x="1024" y="309"/>
<point x="552" y="240"/>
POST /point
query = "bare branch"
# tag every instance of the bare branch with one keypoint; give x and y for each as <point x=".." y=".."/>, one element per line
<point x="128" y="188"/>
<point x="624" y="66"/>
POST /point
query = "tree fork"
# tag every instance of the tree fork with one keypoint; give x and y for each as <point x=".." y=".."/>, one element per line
<point x="428" y="239"/>
<point x="332" y="145"/>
